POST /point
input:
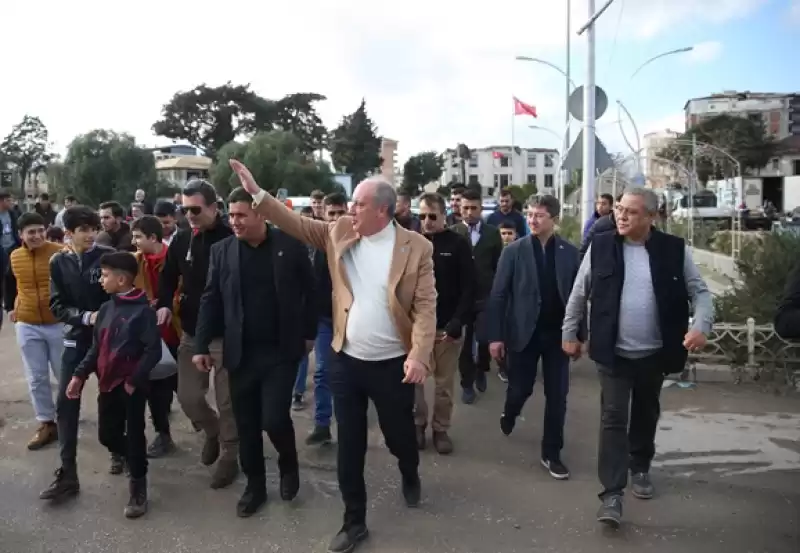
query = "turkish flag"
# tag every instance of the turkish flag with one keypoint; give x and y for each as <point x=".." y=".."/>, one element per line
<point x="497" y="155"/>
<point x="521" y="108"/>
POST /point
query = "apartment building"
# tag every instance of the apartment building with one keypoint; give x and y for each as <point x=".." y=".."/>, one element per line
<point x="657" y="172"/>
<point x="779" y="112"/>
<point x="389" y="169"/>
<point x="494" y="167"/>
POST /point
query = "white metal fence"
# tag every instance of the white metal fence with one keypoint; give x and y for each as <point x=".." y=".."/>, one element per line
<point x="749" y="349"/>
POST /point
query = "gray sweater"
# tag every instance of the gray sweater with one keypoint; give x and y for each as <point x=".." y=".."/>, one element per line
<point x="639" y="334"/>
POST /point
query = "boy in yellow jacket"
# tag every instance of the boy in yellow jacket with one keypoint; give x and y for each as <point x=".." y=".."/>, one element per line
<point x="39" y="334"/>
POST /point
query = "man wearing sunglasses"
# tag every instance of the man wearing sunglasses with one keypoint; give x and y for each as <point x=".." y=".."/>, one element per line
<point x="455" y="297"/>
<point x="187" y="263"/>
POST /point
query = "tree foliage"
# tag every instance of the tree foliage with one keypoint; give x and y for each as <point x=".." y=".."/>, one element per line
<point x="521" y="193"/>
<point x="355" y="146"/>
<point x="210" y="117"/>
<point x="277" y="161"/>
<point x="744" y="140"/>
<point x="104" y="165"/>
<point x="420" y="170"/>
<point x="763" y="266"/>
<point x="26" y="147"/>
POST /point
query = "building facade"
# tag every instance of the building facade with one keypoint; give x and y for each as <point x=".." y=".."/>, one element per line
<point x="779" y="113"/>
<point x="495" y="167"/>
<point x="389" y="168"/>
<point x="657" y="172"/>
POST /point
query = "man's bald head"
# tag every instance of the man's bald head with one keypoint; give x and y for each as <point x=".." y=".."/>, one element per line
<point x="373" y="207"/>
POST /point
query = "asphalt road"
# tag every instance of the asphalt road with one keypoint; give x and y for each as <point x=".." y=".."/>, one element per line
<point x="728" y="481"/>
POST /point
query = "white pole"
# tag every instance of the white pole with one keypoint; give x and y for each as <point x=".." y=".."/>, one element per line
<point x="589" y="120"/>
<point x="566" y="142"/>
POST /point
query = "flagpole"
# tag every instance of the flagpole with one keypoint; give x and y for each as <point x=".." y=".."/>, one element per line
<point x="513" y="144"/>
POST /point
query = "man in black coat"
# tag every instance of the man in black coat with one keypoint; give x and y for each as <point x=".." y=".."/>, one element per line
<point x="787" y="318"/>
<point x="602" y="225"/>
<point x="261" y="287"/>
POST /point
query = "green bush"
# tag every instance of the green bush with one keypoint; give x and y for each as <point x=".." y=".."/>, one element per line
<point x="764" y="265"/>
<point x="570" y="229"/>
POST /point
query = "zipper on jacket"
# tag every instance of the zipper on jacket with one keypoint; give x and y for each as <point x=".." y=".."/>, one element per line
<point x="36" y="285"/>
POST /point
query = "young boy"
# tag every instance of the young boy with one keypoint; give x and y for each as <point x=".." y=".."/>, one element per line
<point x="508" y="232"/>
<point x="75" y="297"/>
<point x="151" y="253"/>
<point x="125" y="349"/>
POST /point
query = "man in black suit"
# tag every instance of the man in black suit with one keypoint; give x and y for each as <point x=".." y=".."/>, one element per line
<point x="261" y="289"/>
<point x="487" y="245"/>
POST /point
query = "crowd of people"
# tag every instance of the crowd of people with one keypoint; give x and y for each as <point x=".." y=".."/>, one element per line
<point x="159" y="300"/>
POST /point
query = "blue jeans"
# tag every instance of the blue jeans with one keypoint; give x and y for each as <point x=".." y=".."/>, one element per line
<point x="323" y="404"/>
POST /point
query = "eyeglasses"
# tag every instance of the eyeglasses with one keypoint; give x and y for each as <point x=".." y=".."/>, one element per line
<point x="431" y="216"/>
<point x="193" y="209"/>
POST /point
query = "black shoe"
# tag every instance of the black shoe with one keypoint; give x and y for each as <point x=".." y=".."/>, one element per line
<point x="556" y="468"/>
<point x="422" y="441"/>
<point x="137" y="504"/>
<point x="610" y="512"/>
<point x="642" y="486"/>
<point x="65" y="485"/>
<point x="117" y="464"/>
<point x="468" y="395"/>
<point x="290" y="485"/>
<point x="412" y="491"/>
<point x="503" y="376"/>
<point x="162" y="446"/>
<point x="298" y="403"/>
<point x="507" y="424"/>
<point x="321" y="435"/>
<point x="348" y="538"/>
<point x="251" y="501"/>
<point x="480" y="381"/>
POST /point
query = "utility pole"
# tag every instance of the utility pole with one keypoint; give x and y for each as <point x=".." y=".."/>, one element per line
<point x="565" y="176"/>
<point x="589" y="119"/>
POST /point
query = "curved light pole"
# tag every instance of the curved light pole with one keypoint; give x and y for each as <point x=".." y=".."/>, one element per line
<point x="621" y="106"/>
<point x="548" y="64"/>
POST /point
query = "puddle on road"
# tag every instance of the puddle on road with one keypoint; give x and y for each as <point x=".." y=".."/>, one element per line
<point x="730" y="443"/>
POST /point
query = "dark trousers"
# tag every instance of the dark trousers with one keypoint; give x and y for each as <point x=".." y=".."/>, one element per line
<point x="631" y="386"/>
<point x="354" y="382"/>
<point x="120" y="427"/>
<point x="68" y="411"/>
<point x="159" y="399"/>
<point x="261" y="397"/>
<point x="522" y="368"/>
<point x="468" y="366"/>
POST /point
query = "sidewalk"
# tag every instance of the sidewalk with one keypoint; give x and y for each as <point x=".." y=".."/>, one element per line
<point x="727" y="476"/>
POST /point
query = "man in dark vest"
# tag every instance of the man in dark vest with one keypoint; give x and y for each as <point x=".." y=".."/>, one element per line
<point x="640" y="283"/>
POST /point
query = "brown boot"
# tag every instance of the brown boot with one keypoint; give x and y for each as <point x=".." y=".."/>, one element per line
<point x="224" y="473"/>
<point x="46" y="434"/>
<point x="421" y="441"/>
<point x="442" y="443"/>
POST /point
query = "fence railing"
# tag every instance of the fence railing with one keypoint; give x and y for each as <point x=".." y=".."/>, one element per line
<point x="750" y="350"/>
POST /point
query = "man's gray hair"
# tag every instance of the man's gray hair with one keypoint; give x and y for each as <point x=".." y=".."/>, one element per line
<point x="649" y="198"/>
<point x="384" y="194"/>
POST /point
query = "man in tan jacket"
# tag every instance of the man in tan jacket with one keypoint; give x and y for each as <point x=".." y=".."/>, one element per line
<point x="39" y="334"/>
<point x="384" y="328"/>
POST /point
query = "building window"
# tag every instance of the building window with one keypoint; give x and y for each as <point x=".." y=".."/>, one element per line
<point x="531" y="159"/>
<point x="776" y="164"/>
<point x="503" y="181"/>
<point x="796" y="166"/>
<point x="548" y="160"/>
<point x="548" y="181"/>
<point x="473" y="180"/>
<point x="755" y="118"/>
<point x="532" y="179"/>
<point x="473" y="159"/>
<point x="504" y="161"/>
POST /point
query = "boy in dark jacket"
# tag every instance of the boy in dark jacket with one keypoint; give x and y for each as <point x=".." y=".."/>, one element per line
<point x="125" y="349"/>
<point x="75" y="298"/>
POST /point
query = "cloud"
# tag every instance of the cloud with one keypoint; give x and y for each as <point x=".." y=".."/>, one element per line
<point x="705" y="52"/>
<point x="794" y="11"/>
<point x="433" y="73"/>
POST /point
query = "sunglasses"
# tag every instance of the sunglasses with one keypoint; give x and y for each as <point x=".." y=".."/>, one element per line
<point x="193" y="209"/>
<point x="336" y="213"/>
<point x="431" y="216"/>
